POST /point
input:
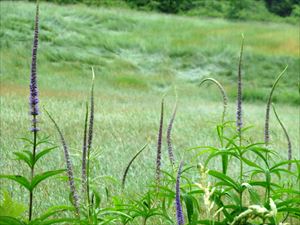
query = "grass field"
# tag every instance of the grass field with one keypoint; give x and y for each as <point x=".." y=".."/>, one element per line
<point x="138" y="58"/>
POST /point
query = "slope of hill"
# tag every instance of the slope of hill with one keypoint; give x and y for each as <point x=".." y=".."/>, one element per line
<point x="146" y="51"/>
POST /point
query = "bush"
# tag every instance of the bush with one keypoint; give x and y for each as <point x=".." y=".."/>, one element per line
<point x="269" y="10"/>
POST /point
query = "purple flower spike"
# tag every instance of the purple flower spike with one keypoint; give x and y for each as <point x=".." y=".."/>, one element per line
<point x="169" y="141"/>
<point x="159" y="142"/>
<point x="33" y="99"/>
<point x="179" y="213"/>
<point x="69" y="166"/>
<point x="239" y="119"/>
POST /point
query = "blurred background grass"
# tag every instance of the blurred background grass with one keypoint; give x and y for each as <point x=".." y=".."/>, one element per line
<point x="138" y="57"/>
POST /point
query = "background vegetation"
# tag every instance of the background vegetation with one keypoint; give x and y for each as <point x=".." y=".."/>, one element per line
<point x="263" y="10"/>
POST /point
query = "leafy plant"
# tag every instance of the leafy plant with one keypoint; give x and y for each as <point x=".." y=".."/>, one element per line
<point x="30" y="158"/>
<point x="11" y="208"/>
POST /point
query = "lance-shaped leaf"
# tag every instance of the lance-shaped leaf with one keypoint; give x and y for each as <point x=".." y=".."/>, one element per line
<point x="40" y="177"/>
<point x="23" y="181"/>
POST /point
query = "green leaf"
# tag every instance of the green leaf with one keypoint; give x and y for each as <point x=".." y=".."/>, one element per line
<point x="222" y="152"/>
<point x="113" y="212"/>
<point x="226" y="179"/>
<point x="288" y="191"/>
<point x="40" y="177"/>
<point x="7" y="220"/>
<point x="290" y="210"/>
<point x="11" y="208"/>
<point x="288" y="203"/>
<point x="283" y="171"/>
<point x="189" y="206"/>
<point x="27" y="140"/>
<point x="43" y="152"/>
<point x="55" y="221"/>
<point x="24" y="157"/>
<point x="283" y="163"/>
<point x="254" y="196"/>
<point x="224" y="163"/>
<point x="251" y="163"/>
<point x="263" y="184"/>
<point x="97" y="199"/>
<point x="209" y="222"/>
<point x="19" y="179"/>
<point x="54" y="210"/>
<point x="259" y="152"/>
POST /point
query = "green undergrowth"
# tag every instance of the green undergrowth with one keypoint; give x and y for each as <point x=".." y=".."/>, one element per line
<point x="145" y="51"/>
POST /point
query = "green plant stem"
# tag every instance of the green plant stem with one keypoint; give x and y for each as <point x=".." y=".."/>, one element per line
<point x="145" y="221"/>
<point x="268" y="181"/>
<point x="32" y="169"/>
<point x="241" y="191"/>
<point x="241" y="178"/>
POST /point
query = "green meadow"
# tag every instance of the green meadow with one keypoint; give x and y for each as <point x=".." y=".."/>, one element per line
<point x="138" y="58"/>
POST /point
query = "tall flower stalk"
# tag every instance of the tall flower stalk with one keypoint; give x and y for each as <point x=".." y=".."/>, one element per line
<point x="179" y="213"/>
<point x="221" y="127"/>
<point x="239" y="119"/>
<point x="169" y="140"/>
<point x="84" y="153"/>
<point x="286" y="135"/>
<point x="90" y="139"/>
<point x="159" y="142"/>
<point x="267" y="119"/>
<point x="129" y="164"/>
<point x="224" y="96"/>
<point x="34" y="100"/>
<point x="70" y="172"/>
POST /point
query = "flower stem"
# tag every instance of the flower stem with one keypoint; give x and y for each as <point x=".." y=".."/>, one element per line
<point x="32" y="169"/>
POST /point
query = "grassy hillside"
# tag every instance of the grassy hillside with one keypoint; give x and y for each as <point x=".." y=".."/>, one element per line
<point x="138" y="57"/>
<point x="146" y="51"/>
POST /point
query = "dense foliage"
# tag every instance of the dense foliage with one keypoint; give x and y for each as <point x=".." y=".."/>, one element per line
<point x="234" y="9"/>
